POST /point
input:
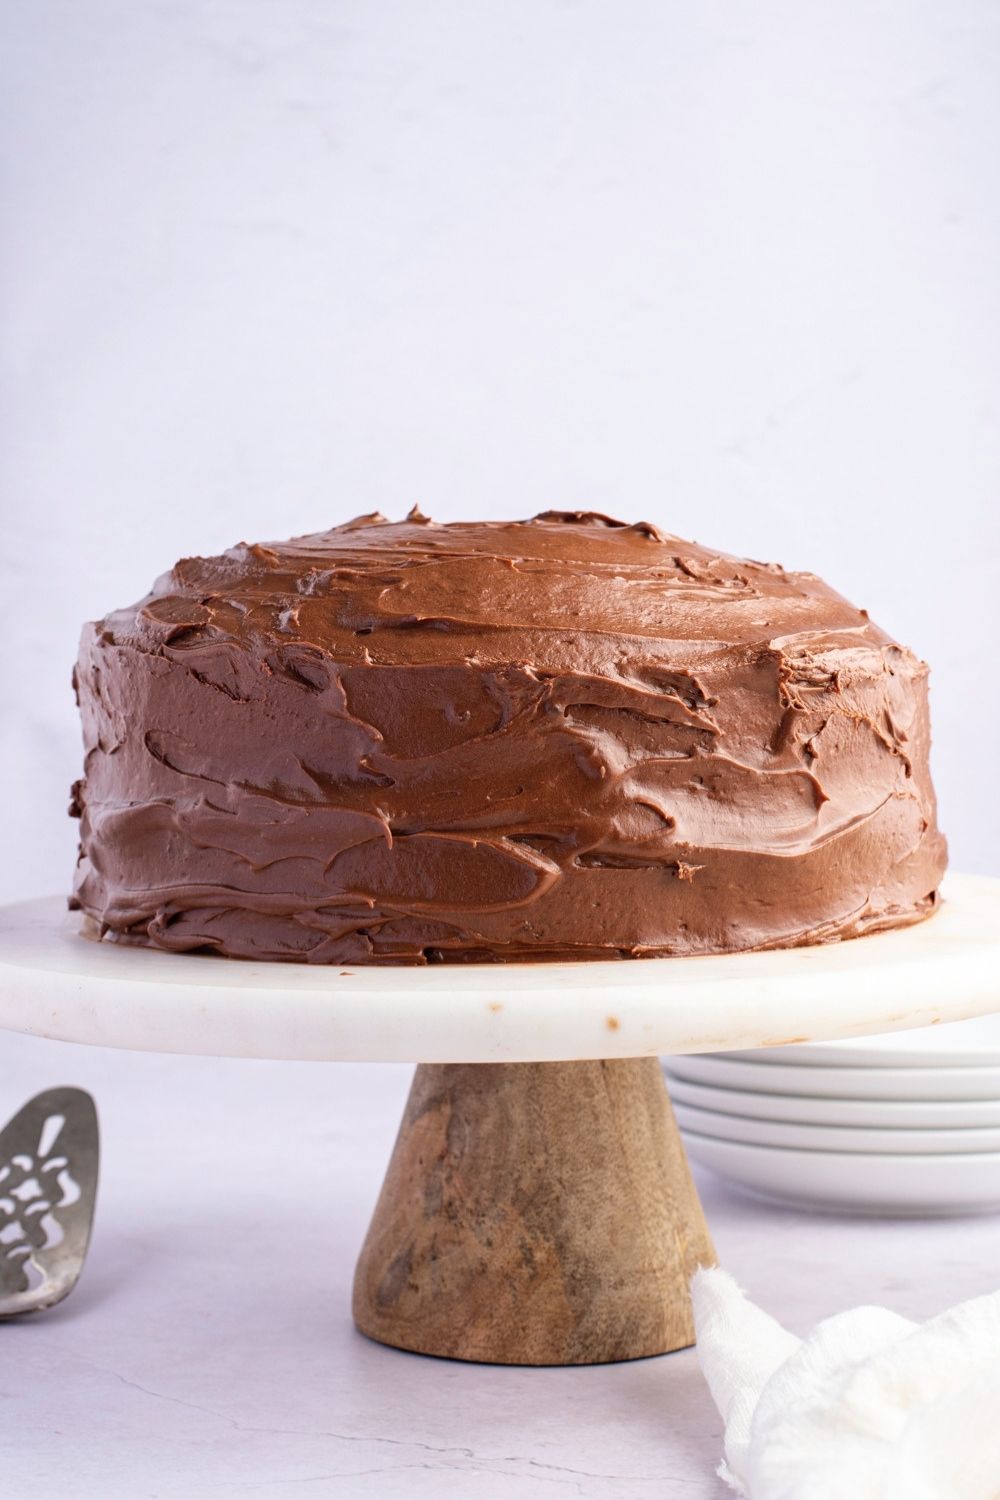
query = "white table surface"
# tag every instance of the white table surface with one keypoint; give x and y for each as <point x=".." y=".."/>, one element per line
<point x="208" y="1350"/>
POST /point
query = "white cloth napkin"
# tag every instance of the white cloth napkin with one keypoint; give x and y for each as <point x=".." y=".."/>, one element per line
<point x="868" y="1406"/>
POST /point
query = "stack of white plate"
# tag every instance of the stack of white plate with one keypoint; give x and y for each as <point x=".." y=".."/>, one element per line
<point x="905" y="1123"/>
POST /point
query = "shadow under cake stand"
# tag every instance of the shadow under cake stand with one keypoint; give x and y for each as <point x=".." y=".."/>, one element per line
<point x="538" y="1207"/>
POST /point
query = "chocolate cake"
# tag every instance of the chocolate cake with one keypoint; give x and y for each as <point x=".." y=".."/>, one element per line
<point x="563" y="738"/>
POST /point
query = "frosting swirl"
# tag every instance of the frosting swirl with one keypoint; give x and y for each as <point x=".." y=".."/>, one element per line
<point x="559" y="738"/>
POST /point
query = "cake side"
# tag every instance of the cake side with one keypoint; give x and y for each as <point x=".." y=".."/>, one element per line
<point x="563" y="738"/>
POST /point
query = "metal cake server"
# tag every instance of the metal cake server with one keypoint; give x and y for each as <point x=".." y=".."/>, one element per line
<point x="48" y="1187"/>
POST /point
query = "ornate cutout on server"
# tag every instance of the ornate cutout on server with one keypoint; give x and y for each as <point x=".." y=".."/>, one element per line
<point x="48" y="1187"/>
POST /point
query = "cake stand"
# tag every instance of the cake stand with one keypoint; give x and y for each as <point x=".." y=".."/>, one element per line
<point x="538" y="1207"/>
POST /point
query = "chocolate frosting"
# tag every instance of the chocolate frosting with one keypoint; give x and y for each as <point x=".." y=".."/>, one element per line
<point x="559" y="738"/>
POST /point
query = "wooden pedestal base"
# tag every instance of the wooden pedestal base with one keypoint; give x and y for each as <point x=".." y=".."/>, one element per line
<point x="534" y="1213"/>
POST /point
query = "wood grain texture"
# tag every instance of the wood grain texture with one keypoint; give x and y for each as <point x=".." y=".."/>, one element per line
<point x="534" y="1213"/>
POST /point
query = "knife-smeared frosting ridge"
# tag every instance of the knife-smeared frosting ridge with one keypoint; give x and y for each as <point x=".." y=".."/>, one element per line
<point x="559" y="738"/>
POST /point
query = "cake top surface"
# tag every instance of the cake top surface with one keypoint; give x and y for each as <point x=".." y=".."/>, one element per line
<point x="555" y="579"/>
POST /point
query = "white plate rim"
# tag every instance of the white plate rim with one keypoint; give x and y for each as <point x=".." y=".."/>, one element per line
<point x="916" y="1084"/>
<point x="813" y="1108"/>
<point x="888" y="1140"/>
<point x="845" y="1183"/>
<point x="984" y="1159"/>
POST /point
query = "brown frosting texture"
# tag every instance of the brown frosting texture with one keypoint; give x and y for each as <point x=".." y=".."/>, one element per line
<point x="559" y="738"/>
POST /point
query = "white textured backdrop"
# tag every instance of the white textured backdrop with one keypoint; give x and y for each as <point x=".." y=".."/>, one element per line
<point x="728" y="266"/>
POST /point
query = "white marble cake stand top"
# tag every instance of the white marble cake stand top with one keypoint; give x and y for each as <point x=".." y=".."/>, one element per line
<point x="56" y="983"/>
